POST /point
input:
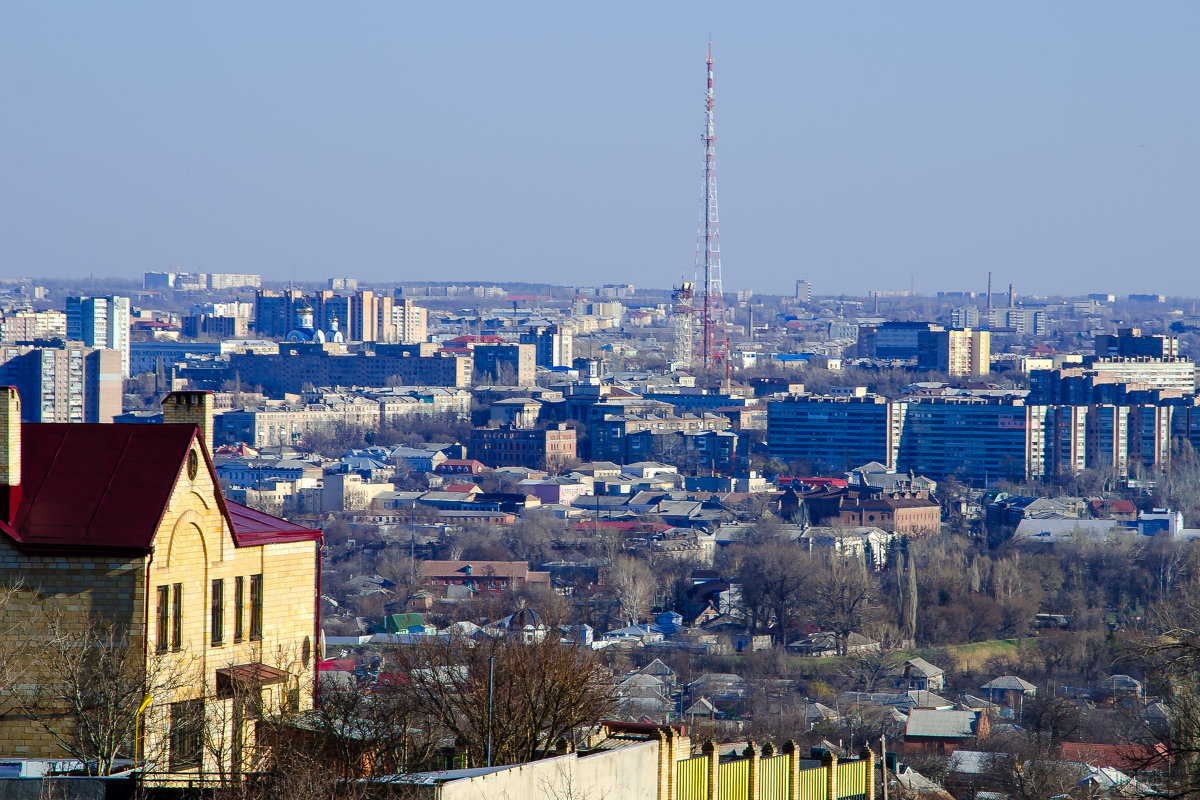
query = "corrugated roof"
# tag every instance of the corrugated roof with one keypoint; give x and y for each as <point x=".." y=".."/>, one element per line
<point x="96" y="486"/>
<point x="252" y="527"/>
<point x="923" y="668"/>
<point x="1009" y="683"/>
<point x="942" y="724"/>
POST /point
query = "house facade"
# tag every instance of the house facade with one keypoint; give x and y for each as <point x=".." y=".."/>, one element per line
<point x="128" y="524"/>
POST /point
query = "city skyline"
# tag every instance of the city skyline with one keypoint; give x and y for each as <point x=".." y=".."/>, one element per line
<point x="877" y="150"/>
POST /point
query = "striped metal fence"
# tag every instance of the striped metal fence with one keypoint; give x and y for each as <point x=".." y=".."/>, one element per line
<point x="773" y="777"/>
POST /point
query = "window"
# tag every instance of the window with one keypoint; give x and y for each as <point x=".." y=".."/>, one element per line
<point x="164" y="619"/>
<point x="218" y="612"/>
<point x="239" y="609"/>
<point x="177" y="617"/>
<point x="256" y="606"/>
<point x="187" y="734"/>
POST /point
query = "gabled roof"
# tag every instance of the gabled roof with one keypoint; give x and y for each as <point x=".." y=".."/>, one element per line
<point x="921" y="667"/>
<point x="94" y="487"/>
<point x="941" y="724"/>
<point x="657" y="667"/>
<point x="1009" y="683"/>
<point x="252" y="527"/>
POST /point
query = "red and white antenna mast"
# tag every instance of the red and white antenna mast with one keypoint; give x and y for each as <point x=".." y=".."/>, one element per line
<point x="714" y="344"/>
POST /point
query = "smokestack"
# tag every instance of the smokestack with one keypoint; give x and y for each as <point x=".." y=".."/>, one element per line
<point x="1010" y="297"/>
<point x="191" y="408"/>
<point x="989" y="298"/>
<point x="10" y="452"/>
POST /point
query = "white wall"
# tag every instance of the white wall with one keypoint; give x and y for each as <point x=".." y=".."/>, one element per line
<point x="627" y="773"/>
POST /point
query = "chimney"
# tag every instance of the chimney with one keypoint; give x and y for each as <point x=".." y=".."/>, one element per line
<point x="10" y="452"/>
<point x="191" y="408"/>
<point x="1010" y="296"/>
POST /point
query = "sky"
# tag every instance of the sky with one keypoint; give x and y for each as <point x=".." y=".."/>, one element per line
<point x="864" y="145"/>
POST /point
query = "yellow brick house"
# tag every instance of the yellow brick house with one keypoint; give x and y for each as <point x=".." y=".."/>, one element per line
<point x="128" y="523"/>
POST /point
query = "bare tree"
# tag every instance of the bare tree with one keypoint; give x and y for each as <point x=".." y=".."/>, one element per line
<point x="773" y="578"/>
<point x="541" y="691"/>
<point x="83" y="680"/>
<point x="634" y="585"/>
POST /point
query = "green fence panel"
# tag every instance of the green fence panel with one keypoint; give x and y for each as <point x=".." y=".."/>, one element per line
<point x="733" y="780"/>
<point x="852" y="778"/>
<point x="813" y="785"/>
<point x="773" y="778"/>
<point x="691" y="778"/>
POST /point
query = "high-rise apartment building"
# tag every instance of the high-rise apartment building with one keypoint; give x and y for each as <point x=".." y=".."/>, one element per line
<point x="1130" y="343"/>
<point x="66" y="384"/>
<point x="958" y="352"/>
<point x="1025" y="321"/>
<point x="803" y="291"/>
<point x="555" y="344"/>
<point x="835" y="433"/>
<point x="275" y="312"/>
<point x="410" y="321"/>
<point x="507" y="364"/>
<point x="29" y="326"/>
<point x="974" y="438"/>
<point x="965" y="317"/>
<point x="102" y="323"/>
<point x="899" y="340"/>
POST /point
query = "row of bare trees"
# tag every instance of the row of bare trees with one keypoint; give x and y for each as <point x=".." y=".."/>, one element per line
<point x="84" y="683"/>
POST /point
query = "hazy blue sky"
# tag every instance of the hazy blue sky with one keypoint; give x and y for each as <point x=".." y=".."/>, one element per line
<point x="862" y="145"/>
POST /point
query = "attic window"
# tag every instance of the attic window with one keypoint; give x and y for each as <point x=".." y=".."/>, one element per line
<point x="193" y="465"/>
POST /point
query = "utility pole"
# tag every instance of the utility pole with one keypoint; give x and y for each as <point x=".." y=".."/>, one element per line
<point x="883" y="762"/>
<point x="491" y="685"/>
<point x="412" y="547"/>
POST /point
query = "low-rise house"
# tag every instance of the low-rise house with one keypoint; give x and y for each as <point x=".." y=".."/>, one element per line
<point x="1123" y="510"/>
<point x="824" y="644"/>
<point x="721" y="686"/>
<point x="937" y="731"/>
<point x="659" y="670"/>
<point x="481" y="577"/>
<point x="849" y="542"/>
<point x="920" y="674"/>
<point x="460" y="467"/>
<point x="558" y="490"/>
<point x="417" y="459"/>
<point x="1116" y="687"/>
<point x="1008" y="690"/>
<point x="127" y="524"/>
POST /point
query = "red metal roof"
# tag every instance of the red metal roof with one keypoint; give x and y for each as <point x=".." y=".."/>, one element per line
<point x="252" y="527"/>
<point x="104" y="488"/>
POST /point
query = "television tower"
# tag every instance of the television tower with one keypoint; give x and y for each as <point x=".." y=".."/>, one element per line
<point x="714" y="344"/>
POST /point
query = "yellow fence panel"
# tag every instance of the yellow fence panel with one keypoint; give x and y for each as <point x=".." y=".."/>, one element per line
<point x="813" y="785"/>
<point x="773" y="778"/>
<point x="852" y="778"/>
<point x="691" y="778"/>
<point x="733" y="780"/>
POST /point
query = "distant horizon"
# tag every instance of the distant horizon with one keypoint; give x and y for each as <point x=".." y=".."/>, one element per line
<point x="320" y="283"/>
<point x="873" y="146"/>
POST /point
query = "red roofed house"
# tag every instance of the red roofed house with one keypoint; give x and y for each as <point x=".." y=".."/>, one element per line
<point x="128" y="524"/>
<point x="1114" y="509"/>
<point x="460" y="466"/>
<point x="482" y="577"/>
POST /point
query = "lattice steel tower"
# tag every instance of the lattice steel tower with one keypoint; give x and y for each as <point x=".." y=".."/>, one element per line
<point x="714" y="345"/>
